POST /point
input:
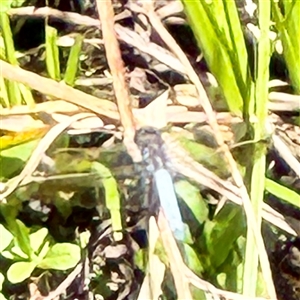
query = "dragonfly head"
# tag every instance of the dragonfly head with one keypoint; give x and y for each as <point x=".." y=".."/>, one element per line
<point x="151" y="145"/>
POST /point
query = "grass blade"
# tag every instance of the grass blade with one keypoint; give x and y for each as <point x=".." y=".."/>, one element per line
<point x="52" y="53"/>
<point x="112" y="198"/>
<point x="260" y="110"/>
<point x="282" y="192"/>
<point x="73" y="60"/>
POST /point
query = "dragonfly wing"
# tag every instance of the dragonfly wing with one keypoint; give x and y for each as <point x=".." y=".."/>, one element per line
<point x="168" y="202"/>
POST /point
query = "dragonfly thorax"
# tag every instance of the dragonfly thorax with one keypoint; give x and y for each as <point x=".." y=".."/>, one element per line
<point x="152" y="147"/>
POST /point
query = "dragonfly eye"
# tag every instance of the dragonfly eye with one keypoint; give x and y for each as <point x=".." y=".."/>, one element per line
<point x="148" y="136"/>
<point x="151" y="144"/>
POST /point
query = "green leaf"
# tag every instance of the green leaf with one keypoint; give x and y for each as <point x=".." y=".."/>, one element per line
<point x="232" y="270"/>
<point x="17" y="3"/>
<point x="12" y="89"/>
<point x="52" y="53"/>
<point x="289" y="29"/>
<point x="43" y="251"/>
<point x="282" y="192"/>
<point x="37" y="238"/>
<point x="229" y="224"/>
<point x="21" y="233"/>
<point x="84" y="238"/>
<point x="5" y="5"/>
<point x="5" y="238"/>
<point x="18" y="253"/>
<point x="140" y="258"/>
<point x="20" y="271"/>
<point x="13" y="159"/>
<point x="76" y="164"/>
<point x="22" y="151"/>
<point x="72" y="64"/>
<point x="8" y="255"/>
<point x="8" y="38"/>
<point x="197" y="293"/>
<point x="112" y="197"/>
<point x="61" y="256"/>
<point x="193" y="199"/>
<point x="4" y="99"/>
<point x="207" y="156"/>
<point x="192" y="259"/>
<point x="26" y="94"/>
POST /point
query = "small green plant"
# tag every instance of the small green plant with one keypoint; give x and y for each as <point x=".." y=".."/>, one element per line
<point x="29" y="251"/>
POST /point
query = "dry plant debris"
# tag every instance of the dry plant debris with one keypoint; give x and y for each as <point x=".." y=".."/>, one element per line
<point x="183" y="103"/>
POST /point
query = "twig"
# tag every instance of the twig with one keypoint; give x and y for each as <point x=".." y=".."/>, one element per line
<point x="175" y="258"/>
<point x="70" y="17"/>
<point x="65" y="284"/>
<point x="116" y="65"/>
<point x="59" y="90"/>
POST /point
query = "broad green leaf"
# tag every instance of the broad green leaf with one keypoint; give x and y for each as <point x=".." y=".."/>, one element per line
<point x="197" y="293"/>
<point x="61" y="256"/>
<point x="192" y="259"/>
<point x="10" y="166"/>
<point x="207" y="156"/>
<point x="5" y="238"/>
<point x="21" y="233"/>
<point x="229" y="224"/>
<point x="193" y="199"/>
<point x="75" y="165"/>
<point x="221" y="278"/>
<point x="13" y="159"/>
<point x="18" y="253"/>
<point x="22" y="151"/>
<point x="8" y="254"/>
<point x="231" y="270"/>
<point x="37" y="238"/>
<point x="43" y="252"/>
<point x="20" y="271"/>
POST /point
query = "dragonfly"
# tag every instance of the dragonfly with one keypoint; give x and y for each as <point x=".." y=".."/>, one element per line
<point x="156" y="161"/>
<point x="161" y="153"/>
